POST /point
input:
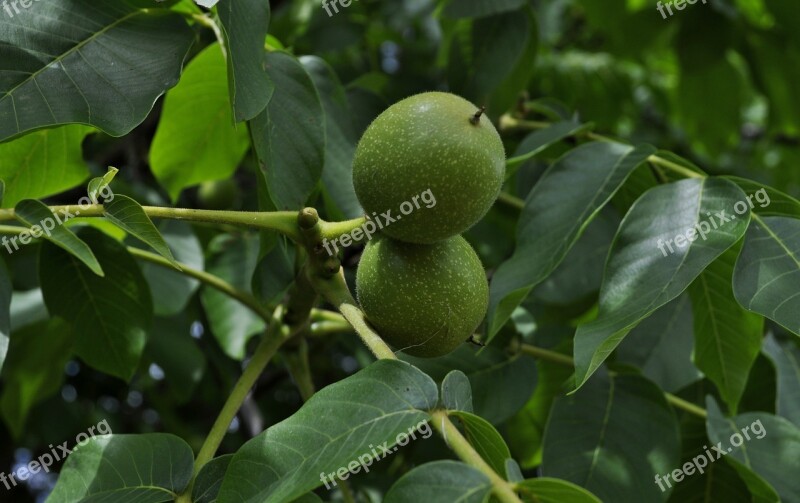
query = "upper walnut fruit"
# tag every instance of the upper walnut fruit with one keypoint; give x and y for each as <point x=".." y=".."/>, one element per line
<point x="432" y="141"/>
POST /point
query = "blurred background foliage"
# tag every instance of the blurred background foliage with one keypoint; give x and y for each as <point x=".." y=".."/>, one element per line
<point x="714" y="83"/>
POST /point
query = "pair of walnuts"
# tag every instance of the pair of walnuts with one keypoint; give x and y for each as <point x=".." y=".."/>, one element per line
<point x="419" y="282"/>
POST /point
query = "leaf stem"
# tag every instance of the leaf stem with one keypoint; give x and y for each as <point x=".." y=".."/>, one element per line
<point x="680" y="403"/>
<point x="323" y="328"/>
<point x="208" y="22"/>
<point x="13" y="229"/>
<point x="300" y="369"/>
<point x="546" y="354"/>
<point x="676" y="168"/>
<point x="318" y="316"/>
<point x="562" y="359"/>
<point x="302" y="298"/>
<point x="326" y="277"/>
<point x="277" y="333"/>
<point x="281" y="221"/>
<point x="335" y="291"/>
<point x="510" y="123"/>
<point x="223" y="286"/>
<point x="347" y="493"/>
<point x="511" y="201"/>
<point x="456" y="441"/>
<point x="332" y="230"/>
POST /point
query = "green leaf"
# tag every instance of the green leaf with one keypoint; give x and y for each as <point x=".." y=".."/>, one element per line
<point x="548" y="490"/>
<point x="49" y="226"/>
<point x="768" y="270"/>
<point x="640" y="276"/>
<point x="34" y="369"/>
<point x="538" y="141"/>
<point x="244" y="26"/>
<point x="275" y="271"/>
<point x="786" y="357"/>
<point x="775" y="65"/>
<point x="170" y="289"/>
<point x="772" y="450"/>
<point x="111" y="315"/>
<point x="97" y="185"/>
<point x="27" y="308"/>
<point x="727" y="338"/>
<point x="441" y="482"/>
<point x="42" y="163"/>
<point x="661" y="346"/>
<point x="196" y="140"/>
<point x="578" y="276"/>
<point x="513" y="471"/>
<point x="760" y="394"/>
<point x="500" y="385"/>
<point x="341" y="137"/>
<point x="713" y="131"/>
<point x="587" y="177"/>
<point x="680" y="161"/>
<point x="479" y="8"/>
<point x="129" y="216"/>
<point x="525" y="431"/>
<point x="718" y="482"/>
<point x="172" y="348"/>
<point x="640" y="181"/>
<point x="289" y="136"/>
<point x="209" y="480"/>
<point x="514" y="87"/>
<point x="150" y="468"/>
<point x="596" y="83"/>
<point x="766" y="201"/>
<point x="488" y="53"/>
<point x="308" y="498"/>
<point x="191" y="6"/>
<point x="233" y="259"/>
<point x="73" y="70"/>
<point x="337" y="428"/>
<point x="784" y="15"/>
<point x="594" y="438"/>
<point x="457" y="392"/>
<point x="485" y="439"/>
<point x="5" y="311"/>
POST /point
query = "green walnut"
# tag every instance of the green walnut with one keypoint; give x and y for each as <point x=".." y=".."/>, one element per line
<point x="434" y="162"/>
<point x="422" y="299"/>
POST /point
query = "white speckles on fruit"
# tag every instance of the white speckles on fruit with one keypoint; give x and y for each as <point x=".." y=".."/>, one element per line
<point x="428" y="142"/>
<point x="423" y="299"/>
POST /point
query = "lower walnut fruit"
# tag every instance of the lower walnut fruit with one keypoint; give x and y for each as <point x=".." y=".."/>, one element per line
<point x="424" y="300"/>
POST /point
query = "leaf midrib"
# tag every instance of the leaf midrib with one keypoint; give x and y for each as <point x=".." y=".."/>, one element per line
<point x="582" y="221"/>
<point x="777" y="239"/>
<point x="70" y="51"/>
<point x="603" y="429"/>
<point x="96" y="308"/>
<point x="715" y="329"/>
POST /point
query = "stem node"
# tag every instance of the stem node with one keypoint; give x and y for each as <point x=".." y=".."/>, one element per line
<point x="308" y="218"/>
